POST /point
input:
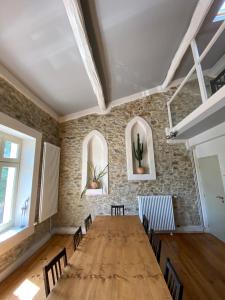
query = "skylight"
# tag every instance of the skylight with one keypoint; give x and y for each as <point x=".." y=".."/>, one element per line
<point x="221" y="13"/>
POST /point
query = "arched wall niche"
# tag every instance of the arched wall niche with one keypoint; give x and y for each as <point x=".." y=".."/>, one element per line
<point x="135" y="126"/>
<point x="95" y="151"/>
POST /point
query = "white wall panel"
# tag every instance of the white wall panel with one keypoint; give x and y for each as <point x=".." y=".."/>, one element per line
<point x="49" y="182"/>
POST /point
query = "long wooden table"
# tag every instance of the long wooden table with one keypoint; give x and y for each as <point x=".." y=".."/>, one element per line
<point x="114" y="261"/>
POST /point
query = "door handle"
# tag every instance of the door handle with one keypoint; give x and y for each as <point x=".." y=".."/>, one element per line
<point x="220" y="198"/>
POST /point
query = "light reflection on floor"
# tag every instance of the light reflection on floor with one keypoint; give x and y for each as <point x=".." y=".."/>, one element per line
<point x="26" y="291"/>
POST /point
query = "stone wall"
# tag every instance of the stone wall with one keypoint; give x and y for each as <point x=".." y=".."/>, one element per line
<point x="186" y="101"/>
<point x="17" y="106"/>
<point x="173" y="165"/>
<point x="173" y="162"/>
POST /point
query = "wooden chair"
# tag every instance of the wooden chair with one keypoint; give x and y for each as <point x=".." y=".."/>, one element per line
<point x="156" y="246"/>
<point x="145" y="223"/>
<point x="173" y="282"/>
<point x="55" y="266"/>
<point x="88" y="222"/>
<point x="117" y="210"/>
<point x="151" y="234"/>
<point x="77" y="237"/>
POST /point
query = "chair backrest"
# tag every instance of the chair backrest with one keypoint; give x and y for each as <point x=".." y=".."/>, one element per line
<point x="156" y="246"/>
<point x="88" y="222"/>
<point x="117" y="210"/>
<point x="173" y="282"/>
<point x="152" y="232"/>
<point x="145" y="223"/>
<point x="77" y="237"/>
<point x="56" y="270"/>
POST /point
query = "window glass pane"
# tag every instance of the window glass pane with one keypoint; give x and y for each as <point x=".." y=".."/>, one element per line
<point x="10" y="150"/>
<point x="7" y="179"/>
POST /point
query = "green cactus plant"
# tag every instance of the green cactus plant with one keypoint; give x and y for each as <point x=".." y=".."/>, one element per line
<point x="138" y="152"/>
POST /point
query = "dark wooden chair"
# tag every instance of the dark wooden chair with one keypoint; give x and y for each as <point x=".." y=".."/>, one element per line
<point x="156" y="246"/>
<point x="77" y="237"/>
<point x="173" y="282"/>
<point x="145" y="223"/>
<point x="117" y="210"/>
<point x="56" y="270"/>
<point x="151" y="234"/>
<point x="88" y="222"/>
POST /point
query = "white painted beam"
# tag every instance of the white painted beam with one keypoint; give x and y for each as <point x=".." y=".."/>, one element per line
<point x="198" y="17"/>
<point x="214" y="104"/>
<point x="77" y="23"/>
<point x="199" y="72"/>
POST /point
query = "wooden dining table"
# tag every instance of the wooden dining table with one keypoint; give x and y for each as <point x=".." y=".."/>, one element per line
<point x="114" y="261"/>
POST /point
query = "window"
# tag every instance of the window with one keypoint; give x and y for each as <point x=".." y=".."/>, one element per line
<point x="10" y="149"/>
<point x="221" y="14"/>
<point x="20" y="152"/>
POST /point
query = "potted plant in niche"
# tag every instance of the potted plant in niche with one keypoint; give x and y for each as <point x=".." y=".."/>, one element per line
<point x="138" y="153"/>
<point x="94" y="178"/>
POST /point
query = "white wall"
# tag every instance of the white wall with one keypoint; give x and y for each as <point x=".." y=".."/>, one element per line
<point x="214" y="147"/>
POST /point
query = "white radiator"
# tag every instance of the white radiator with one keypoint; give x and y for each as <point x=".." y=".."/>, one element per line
<point x="49" y="182"/>
<point x="159" y="211"/>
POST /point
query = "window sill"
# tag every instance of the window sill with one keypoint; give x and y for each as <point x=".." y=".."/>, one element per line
<point x="13" y="236"/>
<point x="94" y="192"/>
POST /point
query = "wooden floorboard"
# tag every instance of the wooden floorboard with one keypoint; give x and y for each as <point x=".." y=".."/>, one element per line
<point x="199" y="259"/>
<point x="29" y="276"/>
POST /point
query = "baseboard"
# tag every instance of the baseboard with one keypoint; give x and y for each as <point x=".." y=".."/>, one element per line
<point x="198" y="228"/>
<point x="24" y="257"/>
<point x="64" y="230"/>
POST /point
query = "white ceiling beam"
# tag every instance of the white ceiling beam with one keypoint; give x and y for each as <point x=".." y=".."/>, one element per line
<point x="198" y="67"/>
<point x="77" y="23"/>
<point x="198" y="17"/>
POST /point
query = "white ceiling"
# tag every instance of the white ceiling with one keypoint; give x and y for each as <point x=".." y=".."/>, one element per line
<point x="38" y="47"/>
<point x="133" y="43"/>
<point x="140" y="39"/>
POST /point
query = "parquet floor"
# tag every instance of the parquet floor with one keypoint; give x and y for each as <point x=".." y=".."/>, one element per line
<point x="199" y="259"/>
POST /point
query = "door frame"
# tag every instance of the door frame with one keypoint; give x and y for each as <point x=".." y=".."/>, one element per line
<point x="209" y="135"/>
<point x="201" y="191"/>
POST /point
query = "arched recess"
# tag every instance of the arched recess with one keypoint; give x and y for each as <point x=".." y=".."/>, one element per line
<point x="95" y="151"/>
<point x="139" y="125"/>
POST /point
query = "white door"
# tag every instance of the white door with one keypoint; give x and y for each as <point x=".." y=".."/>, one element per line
<point x="214" y="194"/>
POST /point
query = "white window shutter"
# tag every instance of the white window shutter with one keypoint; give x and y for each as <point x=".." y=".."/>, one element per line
<point x="49" y="182"/>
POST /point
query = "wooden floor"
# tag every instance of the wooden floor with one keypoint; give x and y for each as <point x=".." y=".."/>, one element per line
<point x="198" y="258"/>
<point x="28" y="279"/>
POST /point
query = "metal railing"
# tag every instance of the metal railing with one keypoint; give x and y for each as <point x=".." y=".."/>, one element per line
<point x="218" y="82"/>
<point x="196" y="67"/>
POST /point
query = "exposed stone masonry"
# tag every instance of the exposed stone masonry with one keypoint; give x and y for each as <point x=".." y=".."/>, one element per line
<point x="17" y="106"/>
<point x="173" y="165"/>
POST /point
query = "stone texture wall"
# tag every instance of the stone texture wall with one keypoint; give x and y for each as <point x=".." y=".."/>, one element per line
<point x="173" y="162"/>
<point x="17" y="106"/>
<point x="188" y="99"/>
<point x="173" y="165"/>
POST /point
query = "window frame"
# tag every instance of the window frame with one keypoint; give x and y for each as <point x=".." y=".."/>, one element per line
<point x="15" y="235"/>
<point x="10" y="162"/>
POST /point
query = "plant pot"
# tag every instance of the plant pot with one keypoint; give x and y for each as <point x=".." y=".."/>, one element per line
<point x="140" y="170"/>
<point x="94" y="185"/>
